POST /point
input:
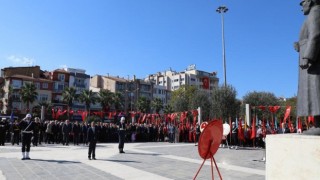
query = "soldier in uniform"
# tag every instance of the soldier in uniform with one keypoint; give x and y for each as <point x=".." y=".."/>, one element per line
<point x="122" y="133"/>
<point x="2" y="132"/>
<point x="27" y="127"/>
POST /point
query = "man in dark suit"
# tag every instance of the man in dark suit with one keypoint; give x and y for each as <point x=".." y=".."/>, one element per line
<point x="27" y="127"/>
<point x="122" y="134"/>
<point x="66" y="129"/>
<point x="92" y="136"/>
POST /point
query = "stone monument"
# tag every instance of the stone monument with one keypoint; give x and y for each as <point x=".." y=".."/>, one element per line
<point x="308" y="100"/>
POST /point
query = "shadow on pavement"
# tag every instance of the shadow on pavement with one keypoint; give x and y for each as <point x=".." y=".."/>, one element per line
<point x="55" y="161"/>
<point x="149" y="154"/>
<point x="125" y="161"/>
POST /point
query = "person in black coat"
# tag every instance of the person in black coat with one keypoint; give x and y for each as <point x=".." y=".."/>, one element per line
<point x="66" y="130"/>
<point x="27" y="127"/>
<point x="92" y="136"/>
<point x="122" y="134"/>
<point x="76" y="133"/>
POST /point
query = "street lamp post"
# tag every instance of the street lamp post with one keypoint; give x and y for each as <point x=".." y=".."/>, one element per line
<point x="221" y="10"/>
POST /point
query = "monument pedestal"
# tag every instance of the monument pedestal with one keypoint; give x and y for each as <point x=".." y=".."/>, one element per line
<point x="292" y="156"/>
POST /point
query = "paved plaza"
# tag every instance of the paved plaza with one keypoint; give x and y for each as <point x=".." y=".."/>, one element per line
<point x="155" y="161"/>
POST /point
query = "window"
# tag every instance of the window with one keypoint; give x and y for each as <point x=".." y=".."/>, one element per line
<point x="16" y="84"/>
<point x="176" y="80"/>
<point x="37" y="84"/>
<point x="193" y="79"/>
<point x="61" y="77"/>
<point x="43" y="97"/>
<point x="15" y="96"/>
<point x="45" y="85"/>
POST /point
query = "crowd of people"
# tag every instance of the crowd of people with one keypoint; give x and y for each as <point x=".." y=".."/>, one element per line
<point x="76" y="133"/>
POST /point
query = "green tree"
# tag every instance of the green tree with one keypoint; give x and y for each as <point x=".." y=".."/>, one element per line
<point x="106" y="99"/>
<point x="167" y="109"/>
<point x="256" y="99"/>
<point x="118" y="100"/>
<point x="88" y="97"/>
<point x="28" y="94"/>
<point x="224" y="102"/>
<point x="201" y="99"/>
<point x="69" y="95"/>
<point x="143" y="104"/>
<point x="157" y="105"/>
<point x="181" y="98"/>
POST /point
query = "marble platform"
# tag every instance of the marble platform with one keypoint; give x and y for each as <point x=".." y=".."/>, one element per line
<point x="292" y="156"/>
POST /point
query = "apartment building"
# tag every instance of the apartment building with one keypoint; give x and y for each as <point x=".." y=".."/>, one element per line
<point x="17" y="77"/>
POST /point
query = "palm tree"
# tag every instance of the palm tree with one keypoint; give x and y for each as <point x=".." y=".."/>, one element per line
<point x="143" y="104"/>
<point x="69" y="96"/>
<point x="105" y="98"/>
<point x="88" y="97"/>
<point x="28" y="94"/>
<point x="157" y="105"/>
<point x="118" y="101"/>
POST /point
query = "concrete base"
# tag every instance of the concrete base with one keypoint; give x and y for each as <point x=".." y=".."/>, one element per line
<point x="292" y="156"/>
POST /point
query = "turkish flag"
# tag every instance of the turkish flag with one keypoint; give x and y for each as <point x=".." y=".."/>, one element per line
<point x="205" y="83"/>
<point x="287" y="113"/>
<point x="253" y="132"/>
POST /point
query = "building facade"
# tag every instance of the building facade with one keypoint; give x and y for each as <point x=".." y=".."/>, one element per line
<point x="14" y="79"/>
<point x="173" y="80"/>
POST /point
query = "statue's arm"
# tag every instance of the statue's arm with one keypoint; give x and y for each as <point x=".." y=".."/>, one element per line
<point x="312" y="50"/>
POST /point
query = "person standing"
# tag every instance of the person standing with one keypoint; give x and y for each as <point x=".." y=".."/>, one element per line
<point x="15" y="133"/>
<point x="122" y="133"/>
<point x="36" y="131"/>
<point x="27" y="127"/>
<point x="66" y="129"/>
<point x="198" y="132"/>
<point x="76" y="132"/>
<point x="2" y="132"/>
<point x="92" y="136"/>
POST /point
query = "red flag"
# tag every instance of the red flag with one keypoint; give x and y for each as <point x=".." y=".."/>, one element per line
<point x="53" y="114"/>
<point x="205" y="83"/>
<point x="262" y="108"/>
<point x="287" y="113"/>
<point x="299" y="124"/>
<point x="240" y="131"/>
<point x="310" y="119"/>
<point x="253" y="132"/>
<point x="274" y="109"/>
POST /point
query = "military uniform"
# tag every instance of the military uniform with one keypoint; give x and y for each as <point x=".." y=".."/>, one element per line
<point x="27" y="127"/>
<point x="122" y="134"/>
<point x="2" y="132"/>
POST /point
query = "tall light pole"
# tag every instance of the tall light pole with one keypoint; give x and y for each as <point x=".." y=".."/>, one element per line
<point x="221" y="10"/>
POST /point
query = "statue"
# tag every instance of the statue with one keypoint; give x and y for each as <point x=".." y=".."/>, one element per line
<point x="308" y="100"/>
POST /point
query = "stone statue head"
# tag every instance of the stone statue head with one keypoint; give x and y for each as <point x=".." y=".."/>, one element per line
<point x="306" y="6"/>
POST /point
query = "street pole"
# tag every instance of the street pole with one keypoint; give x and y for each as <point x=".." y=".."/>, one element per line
<point x="221" y="10"/>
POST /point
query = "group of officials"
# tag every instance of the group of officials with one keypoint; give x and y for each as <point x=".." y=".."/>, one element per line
<point x="27" y="126"/>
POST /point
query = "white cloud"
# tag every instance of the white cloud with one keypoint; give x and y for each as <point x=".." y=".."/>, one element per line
<point x="18" y="60"/>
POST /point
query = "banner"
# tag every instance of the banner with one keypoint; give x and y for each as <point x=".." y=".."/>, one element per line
<point x="287" y="113"/>
<point x="205" y="83"/>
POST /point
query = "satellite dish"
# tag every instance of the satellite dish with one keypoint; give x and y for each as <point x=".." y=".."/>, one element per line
<point x="226" y="129"/>
<point x="209" y="143"/>
<point x="203" y="125"/>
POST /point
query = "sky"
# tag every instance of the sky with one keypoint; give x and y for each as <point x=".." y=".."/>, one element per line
<point x="141" y="37"/>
